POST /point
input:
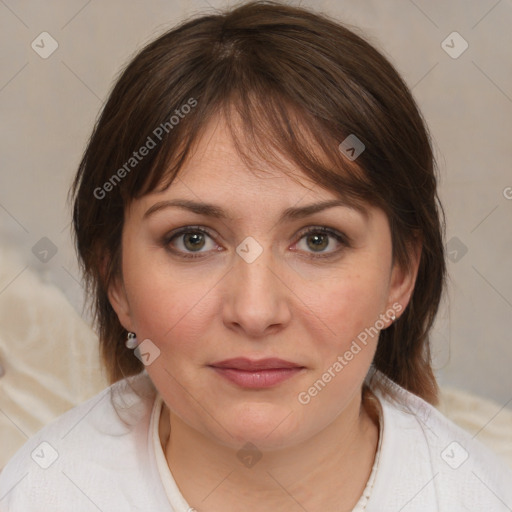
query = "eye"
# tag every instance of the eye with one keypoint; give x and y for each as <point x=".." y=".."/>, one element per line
<point x="319" y="238"/>
<point x="195" y="242"/>
<point x="189" y="240"/>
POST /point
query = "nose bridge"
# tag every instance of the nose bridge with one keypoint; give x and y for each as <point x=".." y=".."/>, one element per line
<point x="257" y="298"/>
<point x="253" y="267"/>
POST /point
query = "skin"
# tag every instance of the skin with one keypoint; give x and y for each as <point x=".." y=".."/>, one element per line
<point x="285" y="304"/>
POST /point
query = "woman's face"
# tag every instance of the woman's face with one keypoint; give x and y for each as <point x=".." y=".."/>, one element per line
<point x="254" y="284"/>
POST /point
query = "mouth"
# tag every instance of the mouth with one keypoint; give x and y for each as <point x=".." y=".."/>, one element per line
<point x="250" y="373"/>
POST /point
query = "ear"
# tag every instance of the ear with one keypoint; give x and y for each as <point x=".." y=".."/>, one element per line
<point x="118" y="300"/>
<point x="402" y="279"/>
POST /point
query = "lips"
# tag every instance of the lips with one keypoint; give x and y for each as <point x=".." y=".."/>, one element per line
<point x="256" y="374"/>
<point x="243" y="363"/>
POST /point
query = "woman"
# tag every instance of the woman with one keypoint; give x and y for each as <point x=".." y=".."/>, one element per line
<point x="258" y="223"/>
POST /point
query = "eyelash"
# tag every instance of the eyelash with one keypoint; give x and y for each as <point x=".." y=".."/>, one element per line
<point x="340" y="238"/>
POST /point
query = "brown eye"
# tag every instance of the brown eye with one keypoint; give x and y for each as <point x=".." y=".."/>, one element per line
<point x="318" y="239"/>
<point x="189" y="242"/>
<point x="318" y="242"/>
<point x="193" y="241"/>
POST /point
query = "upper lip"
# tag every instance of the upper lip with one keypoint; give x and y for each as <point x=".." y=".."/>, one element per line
<point x="243" y="363"/>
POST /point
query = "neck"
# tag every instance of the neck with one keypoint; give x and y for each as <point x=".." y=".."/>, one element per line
<point x="327" y="472"/>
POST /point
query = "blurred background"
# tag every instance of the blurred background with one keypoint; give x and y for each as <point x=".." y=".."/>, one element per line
<point x="59" y="61"/>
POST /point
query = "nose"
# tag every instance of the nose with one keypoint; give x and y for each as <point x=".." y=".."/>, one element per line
<point x="257" y="296"/>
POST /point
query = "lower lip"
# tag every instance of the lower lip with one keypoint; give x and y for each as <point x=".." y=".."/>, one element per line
<point x="257" y="379"/>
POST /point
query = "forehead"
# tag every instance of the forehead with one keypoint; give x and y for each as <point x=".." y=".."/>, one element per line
<point x="216" y="166"/>
<point x="249" y="166"/>
<point x="215" y="148"/>
<point x="216" y="182"/>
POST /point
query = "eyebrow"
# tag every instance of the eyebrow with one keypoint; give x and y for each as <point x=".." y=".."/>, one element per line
<point x="211" y="210"/>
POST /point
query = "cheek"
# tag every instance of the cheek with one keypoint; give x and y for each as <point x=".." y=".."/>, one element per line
<point x="352" y="303"/>
<point x="168" y="307"/>
<point x="346" y="341"/>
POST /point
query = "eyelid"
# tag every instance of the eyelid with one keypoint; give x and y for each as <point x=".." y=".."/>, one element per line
<point x="325" y="229"/>
<point x="188" y="228"/>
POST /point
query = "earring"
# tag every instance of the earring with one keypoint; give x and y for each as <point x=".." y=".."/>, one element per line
<point x="393" y="317"/>
<point x="131" y="342"/>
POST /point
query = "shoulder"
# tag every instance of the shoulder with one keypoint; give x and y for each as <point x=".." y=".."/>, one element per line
<point x="85" y="454"/>
<point x="431" y="461"/>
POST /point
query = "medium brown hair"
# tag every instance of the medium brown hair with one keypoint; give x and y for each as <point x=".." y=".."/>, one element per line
<point x="299" y="83"/>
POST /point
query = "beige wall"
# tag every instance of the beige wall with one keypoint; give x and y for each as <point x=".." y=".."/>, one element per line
<point x="48" y="107"/>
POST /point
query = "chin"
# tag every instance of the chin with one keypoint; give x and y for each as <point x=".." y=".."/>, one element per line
<point x="266" y="425"/>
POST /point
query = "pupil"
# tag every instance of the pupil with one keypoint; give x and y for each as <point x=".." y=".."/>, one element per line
<point x="318" y="239"/>
<point x="196" y="238"/>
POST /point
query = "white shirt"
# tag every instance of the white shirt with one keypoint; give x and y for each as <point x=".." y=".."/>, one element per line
<point x="105" y="454"/>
